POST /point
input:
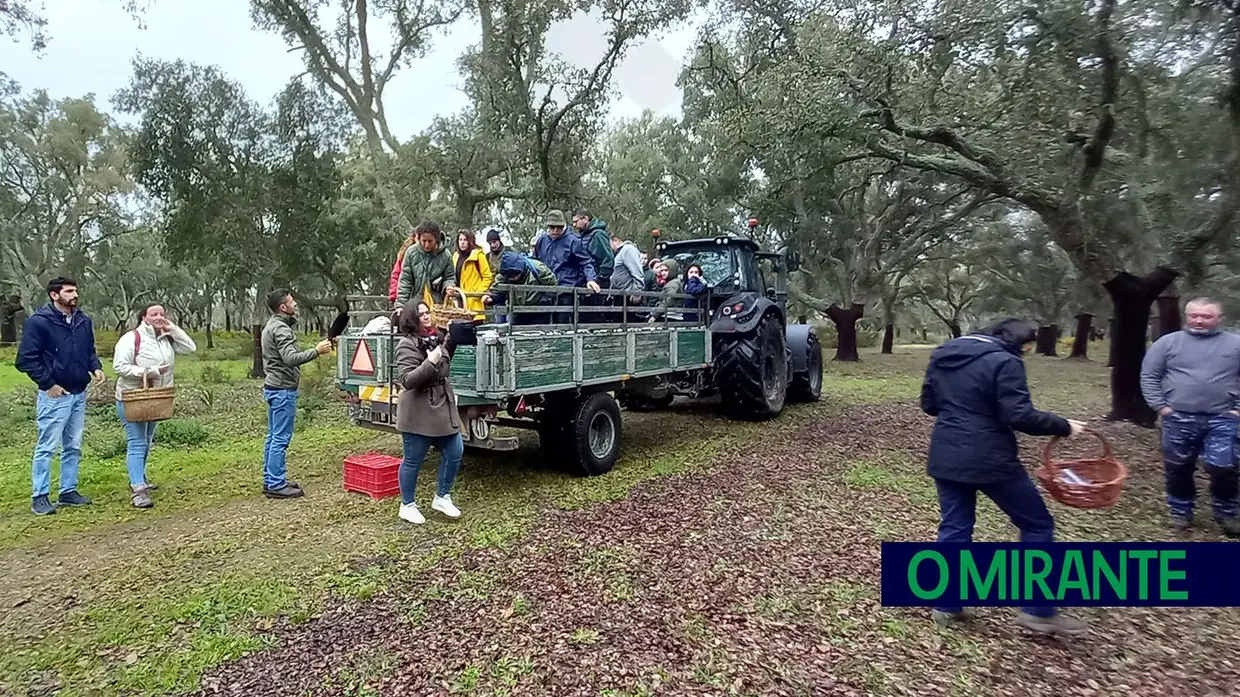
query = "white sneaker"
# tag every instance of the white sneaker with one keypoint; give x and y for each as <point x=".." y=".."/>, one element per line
<point x="410" y="512"/>
<point x="443" y="504"/>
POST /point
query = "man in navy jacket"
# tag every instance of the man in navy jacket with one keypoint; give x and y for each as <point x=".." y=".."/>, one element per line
<point x="976" y="389"/>
<point x="564" y="253"/>
<point x="57" y="351"/>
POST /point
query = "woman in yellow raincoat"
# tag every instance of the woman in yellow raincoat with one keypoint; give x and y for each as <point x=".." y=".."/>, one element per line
<point x="473" y="271"/>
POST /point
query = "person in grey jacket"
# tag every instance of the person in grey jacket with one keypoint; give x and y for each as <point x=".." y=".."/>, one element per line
<point x="628" y="274"/>
<point x="1192" y="379"/>
<point x="282" y="364"/>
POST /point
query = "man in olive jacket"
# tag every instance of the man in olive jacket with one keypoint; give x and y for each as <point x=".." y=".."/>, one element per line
<point x="427" y="273"/>
<point x="282" y="364"/>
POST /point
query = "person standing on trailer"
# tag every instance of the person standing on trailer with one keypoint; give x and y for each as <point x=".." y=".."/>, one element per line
<point x="427" y="273"/>
<point x="597" y="241"/>
<point x="563" y="252"/>
<point x="282" y="364"/>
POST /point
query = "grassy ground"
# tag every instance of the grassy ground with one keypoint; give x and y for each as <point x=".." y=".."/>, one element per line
<point x="711" y="544"/>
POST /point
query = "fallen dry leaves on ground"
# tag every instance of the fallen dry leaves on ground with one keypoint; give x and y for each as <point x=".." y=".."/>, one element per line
<point x="756" y="577"/>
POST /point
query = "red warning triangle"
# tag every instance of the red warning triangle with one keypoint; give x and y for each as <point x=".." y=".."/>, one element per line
<point x="363" y="363"/>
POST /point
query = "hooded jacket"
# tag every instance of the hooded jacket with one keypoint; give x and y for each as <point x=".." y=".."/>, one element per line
<point x="473" y="275"/>
<point x="976" y="389"/>
<point x="517" y="269"/>
<point x="58" y="350"/>
<point x="425" y="275"/>
<point x="598" y="243"/>
<point x="567" y="258"/>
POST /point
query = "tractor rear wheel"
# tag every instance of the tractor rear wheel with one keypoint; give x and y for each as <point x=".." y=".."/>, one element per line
<point x="751" y="371"/>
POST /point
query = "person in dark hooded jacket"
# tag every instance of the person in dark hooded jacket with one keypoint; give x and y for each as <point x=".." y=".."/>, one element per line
<point x="516" y="269"/>
<point x="976" y="389"/>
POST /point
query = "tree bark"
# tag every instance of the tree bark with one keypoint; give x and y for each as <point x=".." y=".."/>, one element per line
<point x="1131" y="297"/>
<point x="1080" y="341"/>
<point x="845" y="321"/>
<point x="1169" y="320"/>
<point x="889" y="338"/>
<point x="953" y="328"/>
<point x="1046" y="341"/>
<point x="1111" y="342"/>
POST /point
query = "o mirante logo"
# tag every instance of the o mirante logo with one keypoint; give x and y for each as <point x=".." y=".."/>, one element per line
<point x="1104" y="574"/>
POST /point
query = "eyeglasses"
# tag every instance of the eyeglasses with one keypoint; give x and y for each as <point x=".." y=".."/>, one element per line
<point x="424" y="314"/>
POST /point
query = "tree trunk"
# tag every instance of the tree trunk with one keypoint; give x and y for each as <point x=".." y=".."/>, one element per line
<point x="1131" y="297"/>
<point x="228" y="320"/>
<point x="845" y="320"/>
<point x="1080" y="341"/>
<point x="953" y="328"/>
<point x="1169" y="320"/>
<point x="1046" y="341"/>
<point x="889" y="338"/>
<point x="1111" y="342"/>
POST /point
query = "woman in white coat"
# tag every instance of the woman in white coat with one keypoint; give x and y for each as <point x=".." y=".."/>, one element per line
<point x="148" y="351"/>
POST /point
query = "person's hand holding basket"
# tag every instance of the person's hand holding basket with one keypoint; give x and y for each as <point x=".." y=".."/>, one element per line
<point x="1095" y="482"/>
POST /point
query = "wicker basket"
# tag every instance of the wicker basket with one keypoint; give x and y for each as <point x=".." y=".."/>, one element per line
<point x="148" y="404"/>
<point x="1084" y="483"/>
<point x="442" y="315"/>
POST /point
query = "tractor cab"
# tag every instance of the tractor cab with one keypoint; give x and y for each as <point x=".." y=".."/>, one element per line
<point x="742" y="280"/>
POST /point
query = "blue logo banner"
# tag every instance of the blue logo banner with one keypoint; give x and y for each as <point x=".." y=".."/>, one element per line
<point x="1067" y="574"/>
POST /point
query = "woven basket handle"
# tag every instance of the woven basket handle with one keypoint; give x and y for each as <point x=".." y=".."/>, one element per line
<point x="457" y="297"/>
<point x="1107" y="453"/>
<point x="146" y="380"/>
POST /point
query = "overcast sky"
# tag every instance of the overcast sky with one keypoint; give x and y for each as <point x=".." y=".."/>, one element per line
<point x="93" y="41"/>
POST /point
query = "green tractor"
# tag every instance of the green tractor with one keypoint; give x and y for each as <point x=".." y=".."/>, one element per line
<point x="759" y="359"/>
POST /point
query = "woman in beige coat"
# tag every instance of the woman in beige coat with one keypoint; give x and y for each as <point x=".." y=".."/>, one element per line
<point x="426" y="414"/>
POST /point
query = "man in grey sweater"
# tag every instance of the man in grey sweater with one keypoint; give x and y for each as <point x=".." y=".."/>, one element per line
<point x="627" y="273"/>
<point x="282" y="363"/>
<point x="1192" y="379"/>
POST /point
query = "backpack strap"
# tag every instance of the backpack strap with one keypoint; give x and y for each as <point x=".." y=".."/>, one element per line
<point x="137" y="344"/>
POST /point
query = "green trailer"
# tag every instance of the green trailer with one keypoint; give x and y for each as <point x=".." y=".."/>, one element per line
<point x="568" y="381"/>
<point x="558" y="379"/>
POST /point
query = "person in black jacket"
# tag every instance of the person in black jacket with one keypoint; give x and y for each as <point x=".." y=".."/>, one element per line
<point x="975" y="387"/>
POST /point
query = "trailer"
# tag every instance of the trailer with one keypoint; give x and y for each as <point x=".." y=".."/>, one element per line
<point x="568" y="379"/>
<point x="557" y="379"/>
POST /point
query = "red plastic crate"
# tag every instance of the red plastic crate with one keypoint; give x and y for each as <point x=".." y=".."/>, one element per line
<point x="373" y="474"/>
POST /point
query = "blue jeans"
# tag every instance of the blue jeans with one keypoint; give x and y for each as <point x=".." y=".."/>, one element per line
<point x="281" y="415"/>
<point x="451" y="448"/>
<point x="1187" y="437"/>
<point x="139" y="437"/>
<point x="1017" y="497"/>
<point x="60" y="423"/>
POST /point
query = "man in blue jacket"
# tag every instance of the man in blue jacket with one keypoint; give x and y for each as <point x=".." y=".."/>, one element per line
<point x="976" y="389"/>
<point x="57" y="351"/>
<point x="564" y="253"/>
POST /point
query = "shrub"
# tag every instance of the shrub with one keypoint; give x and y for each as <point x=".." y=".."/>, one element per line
<point x="213" y="375"/>
<point x="186" y="433"/>
<point x="115" y="446"/>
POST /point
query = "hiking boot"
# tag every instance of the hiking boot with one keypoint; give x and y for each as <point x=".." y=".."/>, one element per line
<point x="142" y="498"/>
<point x="72" y="498"/>
<point x="444" y="505"/>
<point x="410" y="512"/>
<point x="1230" y="526"/>
<point x="1180" y="523"/>
<point x="1057" y="624"/>
<point x="42" y="505"/>
<point x="947" y="619"/>
<point x="288" y="491"/>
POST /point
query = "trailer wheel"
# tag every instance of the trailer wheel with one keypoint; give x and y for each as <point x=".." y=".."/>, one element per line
<point x="595" y="433"/>
<point x="807" y="384"/>
<point x="751" y="371"/>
